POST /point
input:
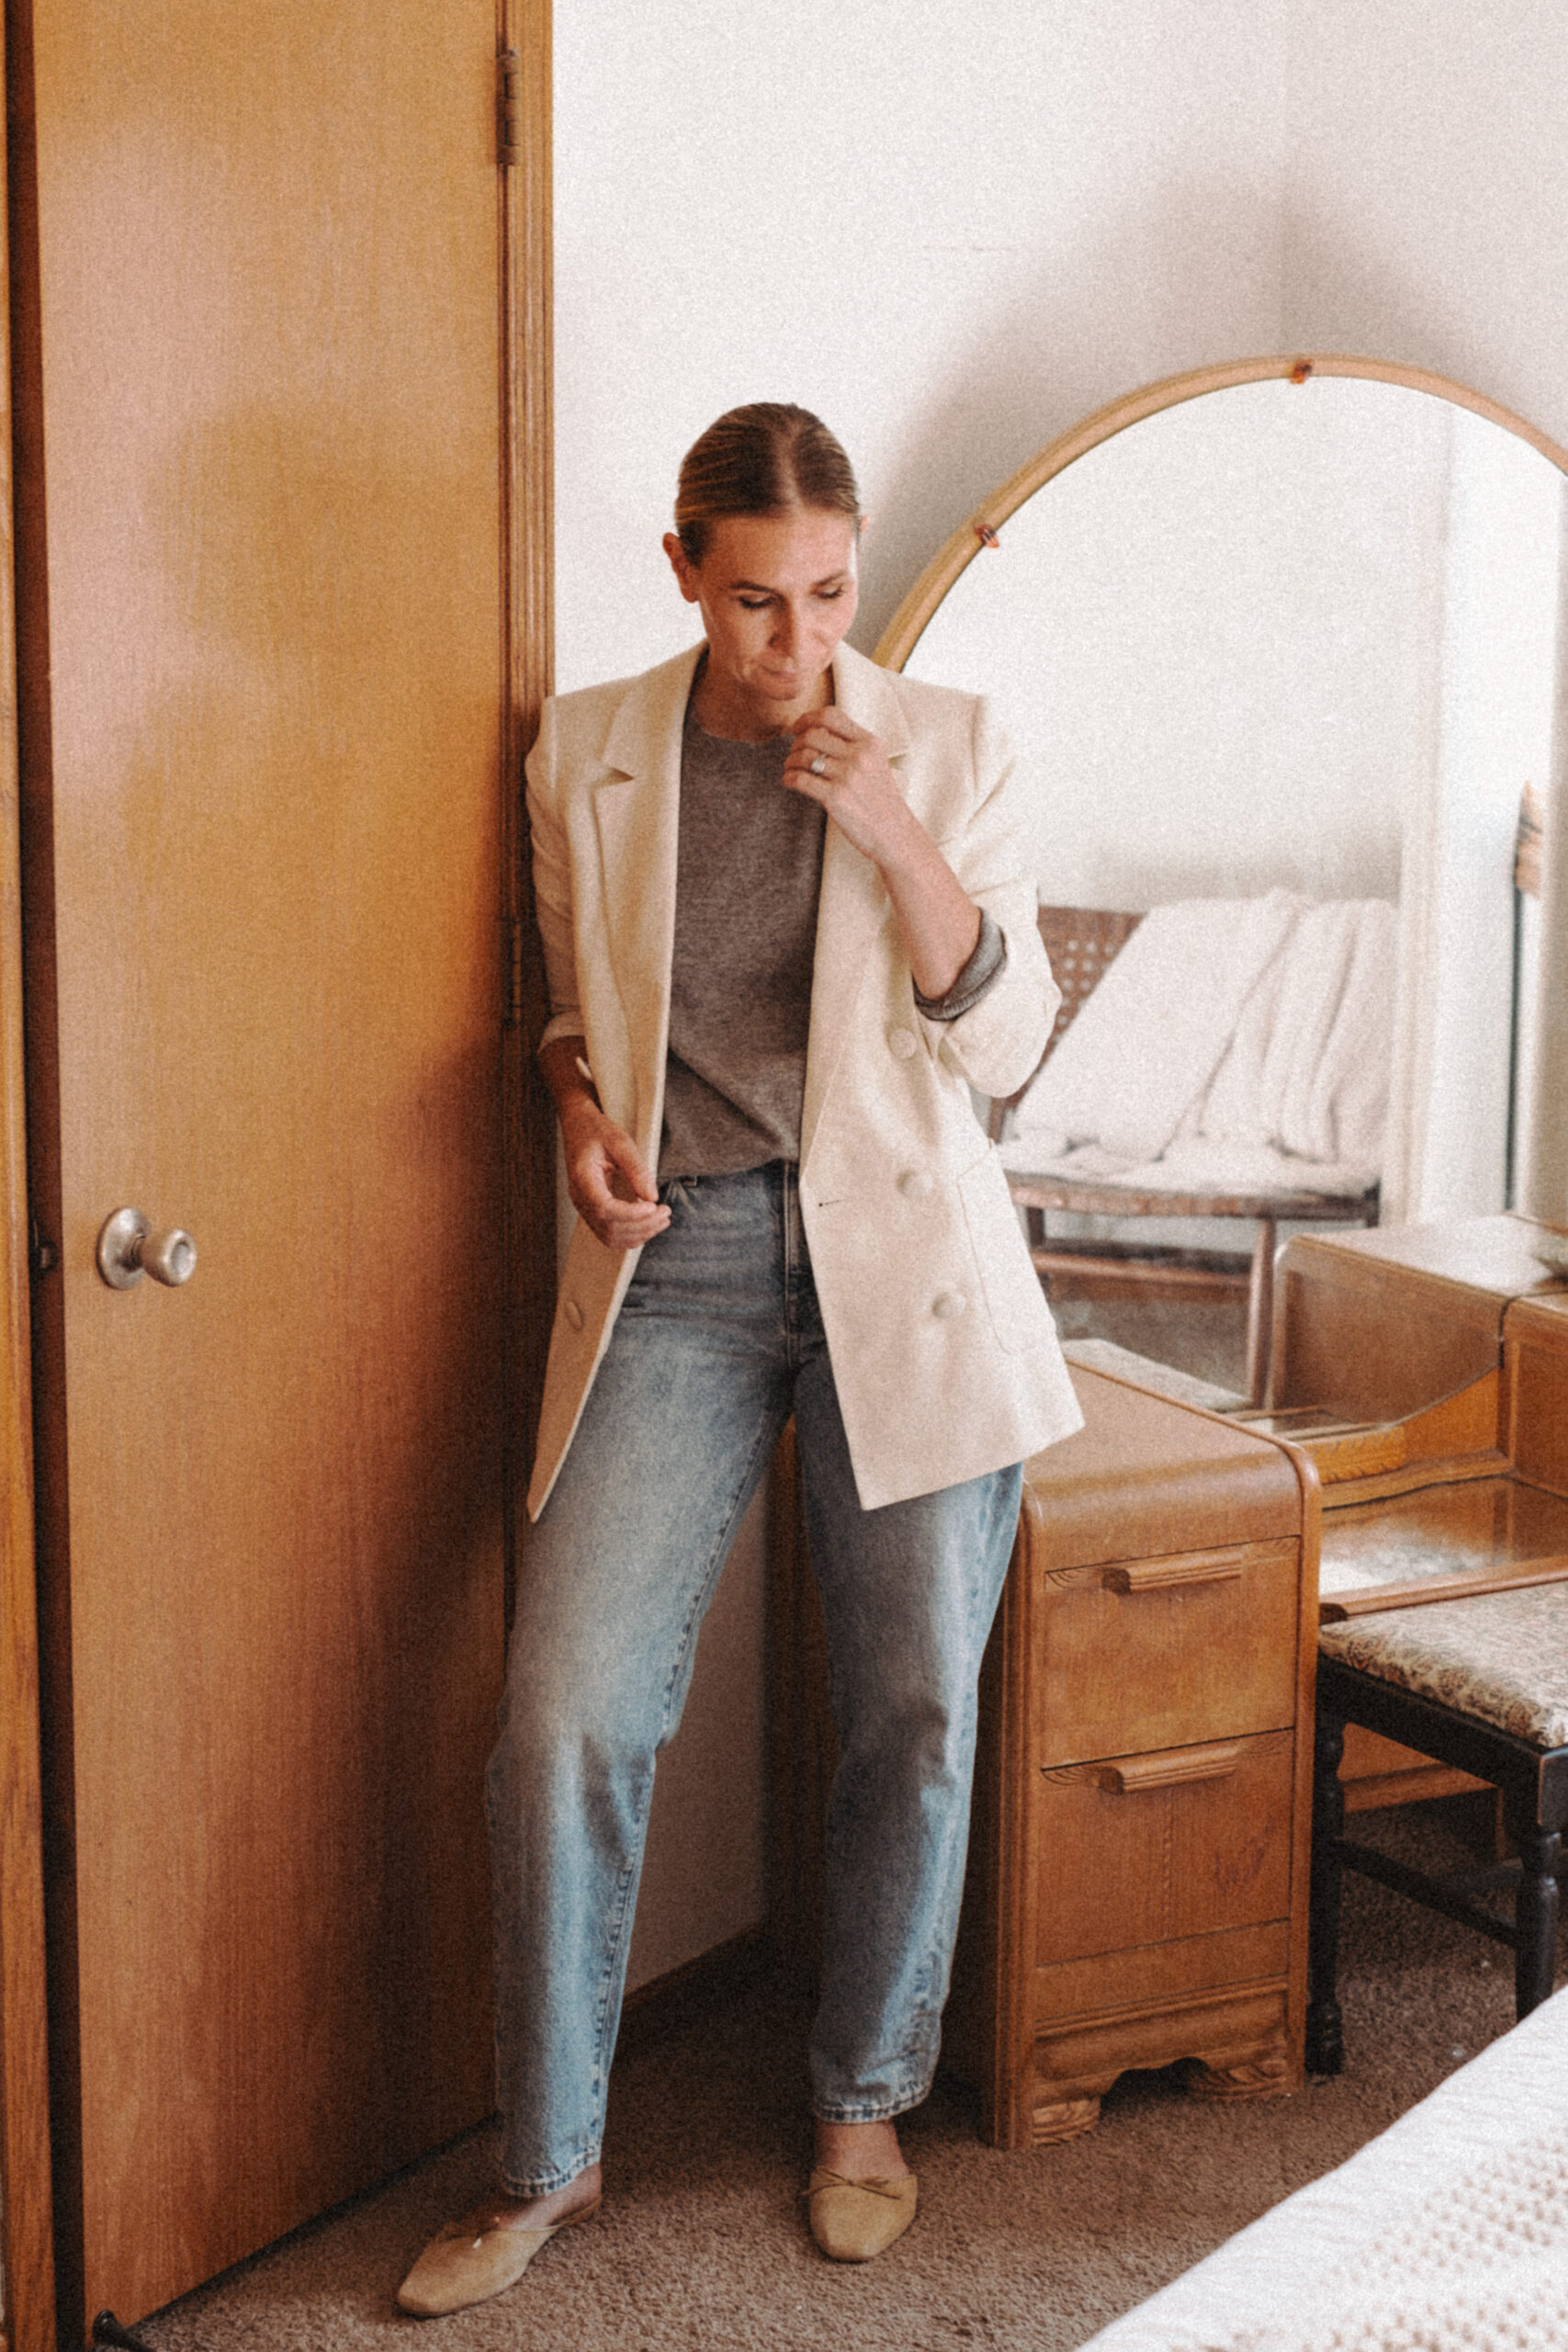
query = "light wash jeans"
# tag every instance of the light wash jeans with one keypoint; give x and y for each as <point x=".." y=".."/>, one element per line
<point x="720" y="1339"/>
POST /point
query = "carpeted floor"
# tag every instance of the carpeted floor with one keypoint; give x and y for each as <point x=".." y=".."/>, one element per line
<point x="702" y="2244"/>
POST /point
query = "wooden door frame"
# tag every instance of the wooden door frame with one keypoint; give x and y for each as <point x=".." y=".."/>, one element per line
<point x="528" y="358"/>
<point x="27" y="2225"/>
<point x="527" y="459"/>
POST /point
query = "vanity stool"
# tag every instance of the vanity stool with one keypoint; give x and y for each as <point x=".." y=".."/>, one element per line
<point x="1480" y="1684"/>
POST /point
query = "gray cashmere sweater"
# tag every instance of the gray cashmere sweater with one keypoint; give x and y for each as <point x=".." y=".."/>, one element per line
<point x="748" y="877"/>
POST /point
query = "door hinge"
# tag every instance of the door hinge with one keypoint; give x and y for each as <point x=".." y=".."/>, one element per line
<point x="507" y="68"/>
<point x="512" y="997"/>
<point x="42" y="1256"/>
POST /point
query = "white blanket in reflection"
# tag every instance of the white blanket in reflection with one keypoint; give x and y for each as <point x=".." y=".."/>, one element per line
<point x="1449" y="2233"/>
<point x="1235" y="1045"/>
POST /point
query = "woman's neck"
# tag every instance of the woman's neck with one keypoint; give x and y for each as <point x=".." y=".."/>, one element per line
<point x="725" y="708"/>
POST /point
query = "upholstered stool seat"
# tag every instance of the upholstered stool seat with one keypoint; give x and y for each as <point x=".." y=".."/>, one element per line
<point x="1481" y="1684"/>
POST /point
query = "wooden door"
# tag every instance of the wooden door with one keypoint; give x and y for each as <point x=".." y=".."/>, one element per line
<point x="261" y="577"/>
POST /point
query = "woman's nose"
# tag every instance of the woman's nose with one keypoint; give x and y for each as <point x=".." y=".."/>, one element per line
<point x="787" y="627"/>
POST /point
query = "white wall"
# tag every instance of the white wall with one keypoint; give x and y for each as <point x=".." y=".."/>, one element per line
<point x="955" y="226"/>
<point x="951" y="226"/>
<point x="1425" y="190"/>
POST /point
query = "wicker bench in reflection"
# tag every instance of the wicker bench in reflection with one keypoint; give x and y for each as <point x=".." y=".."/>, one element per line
<point x="1082" y="941"/>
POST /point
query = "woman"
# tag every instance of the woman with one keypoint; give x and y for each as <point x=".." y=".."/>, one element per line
<point x="787" y="925"/>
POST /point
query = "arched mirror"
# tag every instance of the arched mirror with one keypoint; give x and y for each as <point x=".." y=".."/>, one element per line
<point x="1291" y="626"/>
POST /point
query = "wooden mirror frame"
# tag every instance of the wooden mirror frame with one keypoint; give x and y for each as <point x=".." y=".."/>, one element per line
<point x="972" y="538"/>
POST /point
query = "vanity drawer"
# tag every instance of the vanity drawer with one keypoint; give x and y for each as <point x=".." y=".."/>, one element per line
<point x="1164" y="1652"/>
<point x="1141" y="1850"/>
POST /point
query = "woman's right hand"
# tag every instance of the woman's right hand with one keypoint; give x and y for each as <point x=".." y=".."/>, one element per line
<point x="613" y="1189"/>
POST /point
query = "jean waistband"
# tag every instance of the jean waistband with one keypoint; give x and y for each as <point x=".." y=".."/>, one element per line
<point x="770" y="1193"/>
<point x="776" y="1176"/>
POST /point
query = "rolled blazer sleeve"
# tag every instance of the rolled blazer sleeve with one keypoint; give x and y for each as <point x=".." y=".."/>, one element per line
<point x="997" y="1045"/>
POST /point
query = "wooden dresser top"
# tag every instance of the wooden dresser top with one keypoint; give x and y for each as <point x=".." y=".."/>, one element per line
<point x="1145" y="1476"/>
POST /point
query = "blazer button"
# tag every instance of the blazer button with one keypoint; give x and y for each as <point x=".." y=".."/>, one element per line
<point x="948" y="1304"/>
<point x="573" y="1314"/>
<point x="902" y="1044"/>
<point x="915" y="1184"/>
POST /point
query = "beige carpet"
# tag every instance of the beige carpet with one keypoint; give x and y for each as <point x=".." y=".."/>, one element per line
<point x="702" y="2244"/>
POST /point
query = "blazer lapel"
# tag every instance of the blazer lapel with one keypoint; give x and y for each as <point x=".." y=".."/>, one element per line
<point x="637" y="811"/>
<point x="853" y="904"/>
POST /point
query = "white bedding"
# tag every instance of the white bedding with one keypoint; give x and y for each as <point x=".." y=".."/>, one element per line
<point x="1232" y="1045"/>
<point x="1449" y="2233"/>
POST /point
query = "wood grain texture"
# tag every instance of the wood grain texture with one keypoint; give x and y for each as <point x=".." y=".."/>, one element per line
<point x="529" y="476"/>
<point x="1103" y="1677"/>
<point x="1125" y="1868"/>
<point x="1242" y="2024"/>
<point x="1132" y="1983"/>
<point x="1136" y="1889"/>
<point x="1348" y="1348"/>
<point x="1535" y="1348"/>
<point x="1132" y="1485"/>
<point x="265" y="639"/>
<point x="27" y="2311"/>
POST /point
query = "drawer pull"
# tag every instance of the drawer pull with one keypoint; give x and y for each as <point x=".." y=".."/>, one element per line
<point x="1158" y="1575"/>
<point x="1133" y="1773"/>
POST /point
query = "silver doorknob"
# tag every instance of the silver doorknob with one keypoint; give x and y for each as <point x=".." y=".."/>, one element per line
<point x="128" y="1249"/>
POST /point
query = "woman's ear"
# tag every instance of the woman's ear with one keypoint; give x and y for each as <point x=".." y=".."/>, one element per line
<point x="680" y="564"/>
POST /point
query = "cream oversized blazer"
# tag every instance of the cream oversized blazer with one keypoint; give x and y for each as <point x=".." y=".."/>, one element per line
<point x="943" y="1351"/>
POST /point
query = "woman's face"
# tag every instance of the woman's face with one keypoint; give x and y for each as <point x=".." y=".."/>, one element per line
<point x="777" y="592"/>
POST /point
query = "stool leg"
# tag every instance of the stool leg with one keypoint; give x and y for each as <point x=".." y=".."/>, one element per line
<point x="1535" y="1912"/>
<point x="1324" y="2034"/>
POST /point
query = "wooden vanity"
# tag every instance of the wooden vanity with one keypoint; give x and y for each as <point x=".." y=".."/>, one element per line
<point x="1138" y="1866"/>
<point x="1138" y="1863"/>
<point x="1424" y="1370"/>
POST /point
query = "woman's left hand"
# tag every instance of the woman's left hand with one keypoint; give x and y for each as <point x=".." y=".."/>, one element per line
<point x="836" y="762"/>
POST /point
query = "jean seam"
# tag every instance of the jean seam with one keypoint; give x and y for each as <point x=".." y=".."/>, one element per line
<point x="619" y="1935"/>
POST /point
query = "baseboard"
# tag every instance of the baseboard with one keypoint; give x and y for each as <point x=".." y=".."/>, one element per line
<point x="667" y="2004"/>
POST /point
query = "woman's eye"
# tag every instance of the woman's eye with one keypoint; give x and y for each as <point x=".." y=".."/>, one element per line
<point x="753" y="604"/>
<point x="830" y="595"/>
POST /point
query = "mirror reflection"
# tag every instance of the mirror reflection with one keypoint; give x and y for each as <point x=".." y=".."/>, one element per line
<point x="1292" y="638"/>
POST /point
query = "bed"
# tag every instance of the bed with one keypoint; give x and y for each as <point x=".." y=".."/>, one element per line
<point x="1447" y="2233"/>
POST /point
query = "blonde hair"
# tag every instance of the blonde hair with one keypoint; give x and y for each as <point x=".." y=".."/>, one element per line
<point x="758" y="460"/>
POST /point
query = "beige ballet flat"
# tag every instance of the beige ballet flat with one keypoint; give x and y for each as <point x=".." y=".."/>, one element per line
<point x="852" y="2220"/>
<point x="457" y="2267"/>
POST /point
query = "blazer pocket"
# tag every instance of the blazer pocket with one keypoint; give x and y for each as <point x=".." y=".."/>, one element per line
<point x="1001" y="1254"/>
